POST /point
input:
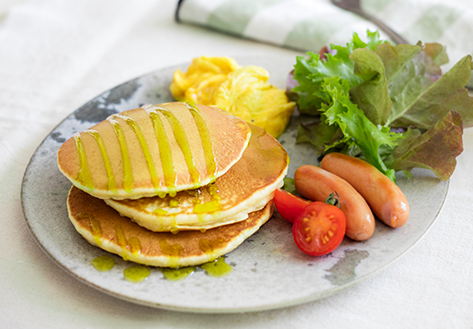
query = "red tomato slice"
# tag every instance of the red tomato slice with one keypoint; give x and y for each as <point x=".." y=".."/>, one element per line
<point x="319" y="228"/>
<point x="288" y="205"/>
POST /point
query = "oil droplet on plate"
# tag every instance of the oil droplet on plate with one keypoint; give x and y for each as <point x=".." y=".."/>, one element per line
<point x="103" y="263"/>
<point x="177" y="274"/>
<point x="136" y="273"/>
<point x="217" y="268"/>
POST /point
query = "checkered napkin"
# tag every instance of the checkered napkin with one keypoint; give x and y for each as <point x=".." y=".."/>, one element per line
<point x="308" y="25"/>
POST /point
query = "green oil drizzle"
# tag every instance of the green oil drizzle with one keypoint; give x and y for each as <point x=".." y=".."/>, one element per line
<point x="209" y="246"/>
<point x="181" y="139"/>
<point x="127" y="173"/>
<point x="139" y="273"/>
<point x="95" y="227"/>
<point x="103" y="263"/>
<point x="132" y="245"/>
<point x="211" y="206"/>
<point x="194" y="193"/>
<point x="136" y="273"/>
<point x="160" y="212"/>
<point x="164" y="151"/>
<point x="144" y="147"/>
<point x="174" y="228"/>
<point x="121" y="240"/>
<point x="96" y="230"/>
<point x="217" y="268"/>
<point x="135" y="245"/>
<point x="174" y="251"/>
<point x="84" y="176"/>
<point x="111" y="185"/>
<point x="177" y="274"/>
<point x="206" y="141"/>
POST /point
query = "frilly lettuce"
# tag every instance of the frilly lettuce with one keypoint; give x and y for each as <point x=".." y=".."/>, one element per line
<point x="436" y="149"/>
<point x="389" y="104"/>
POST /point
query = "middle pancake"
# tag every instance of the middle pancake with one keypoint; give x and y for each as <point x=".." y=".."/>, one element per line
<point x="246" y="187"/>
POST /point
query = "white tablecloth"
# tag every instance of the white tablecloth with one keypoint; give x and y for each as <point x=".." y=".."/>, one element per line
<point x="55" y="56"/>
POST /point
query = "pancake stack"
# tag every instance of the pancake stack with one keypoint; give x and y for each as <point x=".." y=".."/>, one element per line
<point x="171" y="185"/>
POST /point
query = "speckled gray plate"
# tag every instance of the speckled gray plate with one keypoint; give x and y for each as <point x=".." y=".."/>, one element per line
<point x="268" y="270"/>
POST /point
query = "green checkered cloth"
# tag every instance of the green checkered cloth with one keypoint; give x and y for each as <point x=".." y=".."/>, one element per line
<point x="308" y="25"/>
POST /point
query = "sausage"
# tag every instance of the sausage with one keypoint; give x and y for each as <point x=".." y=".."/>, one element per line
<point x="317" y="184"/>
<point x="385" y="198"/>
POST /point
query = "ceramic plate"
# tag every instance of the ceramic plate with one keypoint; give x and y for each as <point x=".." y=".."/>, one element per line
<point x="268" y="270"/>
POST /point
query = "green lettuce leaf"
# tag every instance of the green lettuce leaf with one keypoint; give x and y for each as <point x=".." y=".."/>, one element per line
<point x="289" y="185"/>
<point x="431" y="104"/>
<point x="357" y="128"/>
<point x="310" y="99"/>
<point x="372" y="95"/>
<point x="310" y="72"/>
<point x="318" y="133"/>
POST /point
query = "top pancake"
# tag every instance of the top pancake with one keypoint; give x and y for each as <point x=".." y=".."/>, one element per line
<point x="154" y="150"/>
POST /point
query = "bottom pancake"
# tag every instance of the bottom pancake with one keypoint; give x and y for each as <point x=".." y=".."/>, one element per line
<point x="105" y="228"/>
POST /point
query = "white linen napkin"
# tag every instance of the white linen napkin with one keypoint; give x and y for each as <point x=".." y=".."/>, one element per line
<point x="308" y="25"/>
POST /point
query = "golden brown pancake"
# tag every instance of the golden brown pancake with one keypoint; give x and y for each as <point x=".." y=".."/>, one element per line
<point x="246" y="187"/>
<point x="154" y="150"/>
<point x="102" y="226"/>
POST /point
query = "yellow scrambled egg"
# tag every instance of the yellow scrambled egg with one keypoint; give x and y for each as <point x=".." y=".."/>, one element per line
<point x="243" y="91"/>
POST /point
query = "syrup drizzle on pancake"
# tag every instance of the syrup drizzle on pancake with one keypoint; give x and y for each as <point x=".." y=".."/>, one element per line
<point x="132" y="245"/>
<point x="127" y="173"/>
<point x="210" y="246"/>
<point x="144" y="146"/>
<point x="164" y="151"/>
<point x="174" y="251"/>
<point x="205" y="138"/>
<point x="111" y="185"/>
<point x="181" y="138"/>
<point x="95" y="227"/>
<point x="210" y="206"/>
<point x="85" y="177"/>
<point x="135" y="245"/>
<point x="182" y="141"/>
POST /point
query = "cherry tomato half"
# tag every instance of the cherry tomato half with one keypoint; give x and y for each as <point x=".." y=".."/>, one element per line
<point x="288" y="205"/>
<point x="319" y="228"/>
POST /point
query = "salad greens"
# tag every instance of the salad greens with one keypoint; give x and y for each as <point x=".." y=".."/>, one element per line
<point x="390" y="105"/>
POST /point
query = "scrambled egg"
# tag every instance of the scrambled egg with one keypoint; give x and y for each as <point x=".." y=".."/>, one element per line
<point x="242" y="91"/>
